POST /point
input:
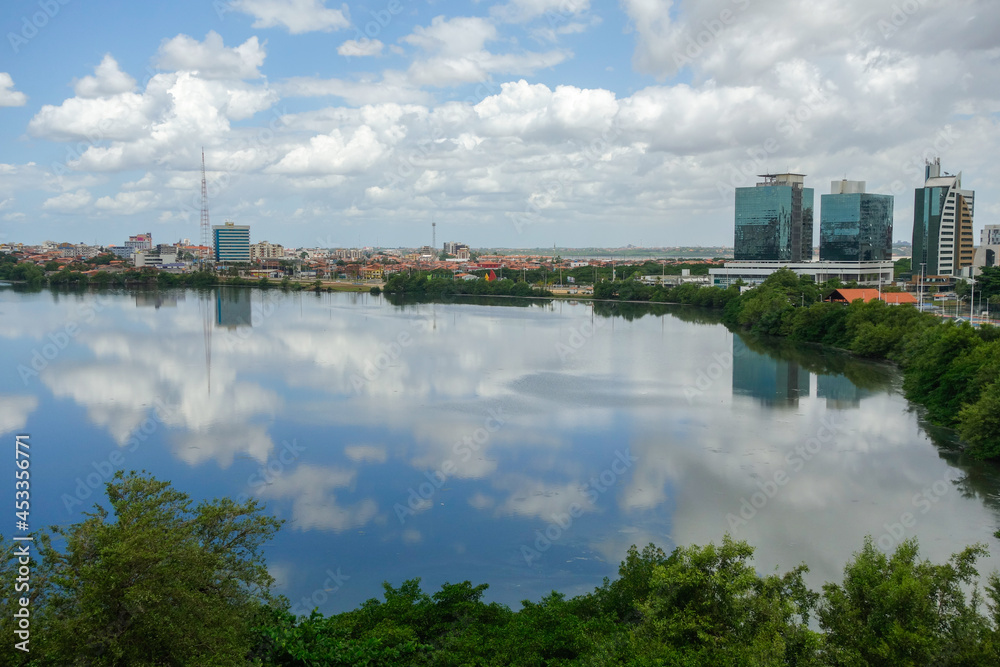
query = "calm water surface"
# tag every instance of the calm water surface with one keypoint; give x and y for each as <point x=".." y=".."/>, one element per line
<point x="526" y="446"/>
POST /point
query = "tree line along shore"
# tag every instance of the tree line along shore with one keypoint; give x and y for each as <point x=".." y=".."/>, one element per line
<point x="151" y="578"/>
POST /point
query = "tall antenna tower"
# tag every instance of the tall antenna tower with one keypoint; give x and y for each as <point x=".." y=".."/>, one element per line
<point x="434" y="235"/>
<point x="206" y="228"/>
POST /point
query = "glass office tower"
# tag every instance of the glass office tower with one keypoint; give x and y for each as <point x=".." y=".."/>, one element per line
<point x="855" y="226"/>
<point x="774" y="220"/>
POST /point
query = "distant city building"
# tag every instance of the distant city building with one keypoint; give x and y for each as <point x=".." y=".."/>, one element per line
<point x="774" y="220"/>
<point x="990" y="235"/>
<point x="139" y="242"/>
<point x="986" y="254"/>
<point x="85" y="251"/>
<point x="231" y="242"/>
<point x="455" y="248"/>
<point x="373" y="272"/>
<point x="942" y="223"/>
<point x="120" y="251"/>
<point x="348" y="253"/>
<point x="855" y="226"/>
<point x="265" y="250"/>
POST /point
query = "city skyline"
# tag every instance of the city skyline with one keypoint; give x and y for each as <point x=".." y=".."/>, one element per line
<point x="520" y="124"/>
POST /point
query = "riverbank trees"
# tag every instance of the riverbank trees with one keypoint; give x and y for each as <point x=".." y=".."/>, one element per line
<point x="435" y="286"/>
<point x="148" y="578"/>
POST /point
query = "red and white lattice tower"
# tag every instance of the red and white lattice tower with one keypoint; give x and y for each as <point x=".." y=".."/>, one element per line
<point x="206" y="228"/>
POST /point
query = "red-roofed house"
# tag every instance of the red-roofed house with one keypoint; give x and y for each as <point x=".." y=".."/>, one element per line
<point x="849" y="295"/>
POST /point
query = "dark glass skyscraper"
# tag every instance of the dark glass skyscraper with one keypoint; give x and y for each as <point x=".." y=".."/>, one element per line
<point x="774" y="220"/>
<point x="855" y="226"/>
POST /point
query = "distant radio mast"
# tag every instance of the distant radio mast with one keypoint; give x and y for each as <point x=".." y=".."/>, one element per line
<point x="205" y="226"/>
<point x="434" y="235"/>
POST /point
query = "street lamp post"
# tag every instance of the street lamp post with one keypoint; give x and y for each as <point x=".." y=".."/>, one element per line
<point x="972" y="301"/>
<point x="920" y="288"/>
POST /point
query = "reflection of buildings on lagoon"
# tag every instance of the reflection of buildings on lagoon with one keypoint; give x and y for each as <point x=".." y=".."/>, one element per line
<point x="840" y="393"/>
<point x="232" y="307"/>
<point x="158" y="299"/>
<point x="775" y="382"/>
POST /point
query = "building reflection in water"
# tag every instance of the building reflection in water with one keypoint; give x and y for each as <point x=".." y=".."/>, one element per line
<point x="158" y="299"/>
<point x="840" y="393"/>
<point x="772" y="381"/>
<point x="232" y="307"/>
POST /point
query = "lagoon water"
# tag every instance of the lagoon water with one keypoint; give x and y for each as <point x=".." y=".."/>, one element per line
<point x="521" y="444"/>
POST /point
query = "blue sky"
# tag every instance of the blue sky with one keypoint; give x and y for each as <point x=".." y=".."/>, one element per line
<point x="517" y="124"/>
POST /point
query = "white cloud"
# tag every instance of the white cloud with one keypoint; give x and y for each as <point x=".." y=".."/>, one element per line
<point x="14" y="411"/>
<point x="456" y="53"/>
<point x="366" y="47"/>
<point x="127" y="203"/>
<point x="211" y="59"/>
<point x="365" y="453"/>
<point x="555" y="12"/>
<point x="8" y="96"/>
<point x="478" y="67"/>
<point x="736" y="40"/>
<point x="314" y="506"/>
<point x="163" y="125"/>
<point x="297" y="16"/>
<point x="107" y="80"/>
<point x="459" y="36"/>
<point x="333" y="154"/>
<point x="122" y="117"/>
<point x="68" y="201"/>
<point x="522" y="108"/>
<point x="394" y="87"/>
<point x="224" y="444"/>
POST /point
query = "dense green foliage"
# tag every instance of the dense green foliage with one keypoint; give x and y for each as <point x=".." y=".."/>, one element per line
<point x="697" y="606"/>
<point x="11" y="269"/>
<point x="424" y="284"/>
<point x="949" y="368"/>
<point x="902" y="268"/>
<point x="633" y="290"/>
<point x="150" y="580"/>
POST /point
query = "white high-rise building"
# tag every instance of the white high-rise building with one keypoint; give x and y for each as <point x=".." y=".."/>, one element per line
<point x="942" y="223"/>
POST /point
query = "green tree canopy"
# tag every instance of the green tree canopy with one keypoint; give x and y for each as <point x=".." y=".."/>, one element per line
<point x="152" y="580"/>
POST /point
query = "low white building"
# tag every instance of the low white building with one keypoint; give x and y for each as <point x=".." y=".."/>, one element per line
<point x="754" y="273"/>
<point x="673" y="281"/>
<point x="154" y="258"/>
